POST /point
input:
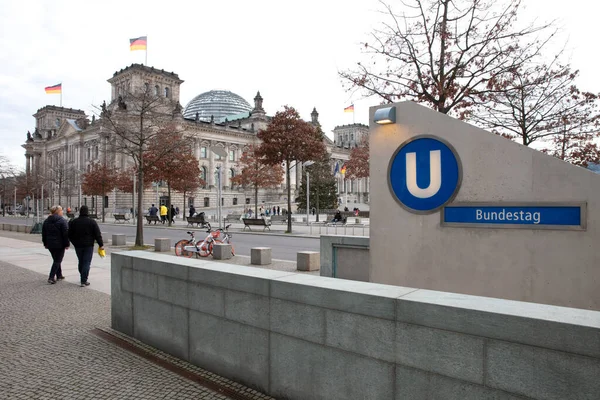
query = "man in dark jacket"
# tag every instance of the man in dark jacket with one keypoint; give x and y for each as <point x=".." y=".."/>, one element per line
<point x="83" y="231"/>
<point x="56" y="240"/>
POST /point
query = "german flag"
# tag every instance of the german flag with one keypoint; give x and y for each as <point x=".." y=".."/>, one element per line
<point x="343" y="170"/>
<point x="56" y="89"/>
<point x="138" y="43"/>
<point x="349" y="109"/>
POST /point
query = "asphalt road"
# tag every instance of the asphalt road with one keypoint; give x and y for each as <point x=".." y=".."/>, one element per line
<point x="283" y="247"/>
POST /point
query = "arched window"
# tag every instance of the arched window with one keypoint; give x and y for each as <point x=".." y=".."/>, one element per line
<point x="167" y="93"/>
<point x="156" y="90"/>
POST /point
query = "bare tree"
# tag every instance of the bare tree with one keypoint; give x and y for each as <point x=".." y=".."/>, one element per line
<point x="444" y="52"/>
<point x="133" y="122"/>
<point x="62" y="176"/>
<point x="541" y="102"/>
<point x="8" y="173"/>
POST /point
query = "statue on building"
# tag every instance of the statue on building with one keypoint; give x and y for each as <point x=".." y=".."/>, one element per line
<point x="29" y="138"/>
<point x="104" y="110"/>
<point x="121" y="103"/>
<point x="212" y="119"/>
<point x="94" y="119"/>
<point x="197" y="117"/>
<point x="36" y="134"/>
<point x="177" y="109"/>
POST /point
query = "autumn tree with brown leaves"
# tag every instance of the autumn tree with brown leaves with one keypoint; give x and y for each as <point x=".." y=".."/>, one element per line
<point x="357" y="166"/>
<point x="180" y="170"/>
<point x="443" y="53"/>
<point x="289" y="139"/>
<point x="135" y="121"/>
<point x="98" y="181"/>
<point x="256" y="173"/>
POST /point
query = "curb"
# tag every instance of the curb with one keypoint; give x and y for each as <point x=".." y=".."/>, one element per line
<point x="306" y="236"/>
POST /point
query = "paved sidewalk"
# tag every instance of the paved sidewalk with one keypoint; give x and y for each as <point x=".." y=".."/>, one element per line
<point x="48" y="350"/>
<point x="16" y="249"/>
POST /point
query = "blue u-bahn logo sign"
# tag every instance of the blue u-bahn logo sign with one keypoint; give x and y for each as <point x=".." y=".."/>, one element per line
<point x="424" y="174"/>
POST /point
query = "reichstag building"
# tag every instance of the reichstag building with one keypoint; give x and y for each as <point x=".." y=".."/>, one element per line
<point x="66" y="142"/>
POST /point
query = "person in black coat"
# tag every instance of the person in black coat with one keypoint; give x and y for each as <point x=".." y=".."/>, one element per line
<point x="56" y="239"/>
<point x="83" y="231"/>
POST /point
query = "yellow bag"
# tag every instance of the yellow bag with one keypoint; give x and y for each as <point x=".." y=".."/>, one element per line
<point x="101" y="252"/>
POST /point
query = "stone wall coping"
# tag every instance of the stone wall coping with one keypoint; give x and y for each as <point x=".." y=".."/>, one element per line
<point x="565" y="315"/>
<point x="543" y="312"/>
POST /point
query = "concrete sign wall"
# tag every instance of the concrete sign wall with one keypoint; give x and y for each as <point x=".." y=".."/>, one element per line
<point x="456" y="208"/>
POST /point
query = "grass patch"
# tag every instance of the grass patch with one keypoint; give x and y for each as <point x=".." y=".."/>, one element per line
<point x="140" y="247"/>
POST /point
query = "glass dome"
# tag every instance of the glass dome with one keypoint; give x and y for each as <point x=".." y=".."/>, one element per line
<point x="216" y="103"/>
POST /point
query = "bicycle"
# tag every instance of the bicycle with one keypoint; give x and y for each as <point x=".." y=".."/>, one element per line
<point x="187" y="248"/>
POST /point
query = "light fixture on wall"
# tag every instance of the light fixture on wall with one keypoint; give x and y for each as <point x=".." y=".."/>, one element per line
<point x="385" y="116"/>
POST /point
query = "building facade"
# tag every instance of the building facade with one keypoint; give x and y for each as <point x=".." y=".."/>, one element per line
<point x="66" y="143"/>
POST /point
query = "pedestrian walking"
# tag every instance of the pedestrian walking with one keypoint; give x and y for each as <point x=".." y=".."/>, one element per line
<point x="274" y="210"/>
<point x="56" y="239"/>
<point x="173" y="214"/>
<point x="163" y="213"/>
<point x="83" y="231"/>
<point x="278" y="210"/>
<point x="176" y="210"/>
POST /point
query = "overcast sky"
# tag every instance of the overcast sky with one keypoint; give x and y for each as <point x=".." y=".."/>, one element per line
<point x="290" y="51"/>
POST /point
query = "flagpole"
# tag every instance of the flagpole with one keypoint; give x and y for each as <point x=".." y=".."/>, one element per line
<point x="61" y="94"/>
<point x="146" y="50"/>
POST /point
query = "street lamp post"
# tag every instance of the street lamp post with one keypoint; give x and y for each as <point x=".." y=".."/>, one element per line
<point x="308" y="164"/>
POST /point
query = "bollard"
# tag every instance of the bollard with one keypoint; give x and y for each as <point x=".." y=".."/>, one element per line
<point x="221" y="251"/>
<point x="308" y="261"/>
<point x="260" y="255"/>
<point x="119" y="240"/>
<point x="162" y="244"/>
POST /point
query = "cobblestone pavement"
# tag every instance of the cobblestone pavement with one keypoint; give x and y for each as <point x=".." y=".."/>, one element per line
<point x="47" y="350"/>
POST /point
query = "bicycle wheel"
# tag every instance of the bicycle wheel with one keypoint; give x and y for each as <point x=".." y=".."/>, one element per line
<point x="180" y="249"/>
<point x="205" y="249"/>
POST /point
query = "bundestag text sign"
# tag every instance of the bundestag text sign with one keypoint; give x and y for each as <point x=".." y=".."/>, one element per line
<point x="570" y="216"/>
<point x="425" y="174"/>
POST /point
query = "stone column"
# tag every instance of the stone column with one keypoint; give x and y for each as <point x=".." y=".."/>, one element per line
<point x="225" y="166"/>
<point x="27" y="164"/>
<point x="211" y="167"/>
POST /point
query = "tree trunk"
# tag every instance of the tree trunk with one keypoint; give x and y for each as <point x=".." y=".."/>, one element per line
<point x="183" y="210"/>
<point x="139" y="234"/>
<point x="255" y="201"/>
<point x="103" y="203"/>
<point x="169" y="213"/>
<point x="289" y="196"/>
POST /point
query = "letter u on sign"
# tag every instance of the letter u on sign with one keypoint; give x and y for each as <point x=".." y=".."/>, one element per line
<point x="435" y="175"/>
<point x="424" y="174"/>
